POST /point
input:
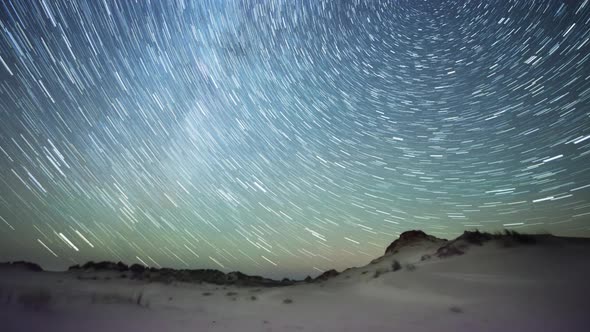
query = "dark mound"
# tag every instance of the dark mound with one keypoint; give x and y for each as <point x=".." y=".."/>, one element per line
<point x="409" y="238"/>
<point x="448" y="250"/>
<point x="327" y="275"/>
<point x="167" y="275"/>
<point x="475" y="237"/>
<point x="28" y="266"/>
<point x="101" y="266"/>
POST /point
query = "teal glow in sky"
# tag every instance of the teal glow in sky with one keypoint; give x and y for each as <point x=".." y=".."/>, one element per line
<point x="283" y="137"/>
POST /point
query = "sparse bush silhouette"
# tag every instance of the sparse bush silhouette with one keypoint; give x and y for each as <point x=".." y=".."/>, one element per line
<point x="287" y="301"/>
<point x="511" y="237"/>
<point x="456" y="309"/>
<point x="170" y="276"/>
<point x="207" y="294"/>
<point x="136" y="268"/>
<point x="476" y="237"/>
<point x="410" y="267"/>
<point x="449" y="250"/>
<point x="508" y="237"/>
<point x="396" y="266"/>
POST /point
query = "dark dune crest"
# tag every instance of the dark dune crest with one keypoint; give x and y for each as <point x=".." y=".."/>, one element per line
<point x="444" y="249"/>
<point x="28" y="266"/>
<point x="409" y="238"/>
<point x="168" y="275"/>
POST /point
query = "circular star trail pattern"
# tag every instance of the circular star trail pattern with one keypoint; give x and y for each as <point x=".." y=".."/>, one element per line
<point x="286" y="137"/>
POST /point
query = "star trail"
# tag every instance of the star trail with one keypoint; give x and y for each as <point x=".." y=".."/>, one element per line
<point x="286" y="137"/>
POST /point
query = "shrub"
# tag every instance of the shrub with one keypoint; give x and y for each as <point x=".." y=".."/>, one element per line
<point x="510" y="238"/>
<point x="456" y="309"/>
<point x="253" y="298"/>
<point x="448" y="251"/>
<point x="379" y="272"/>
<point x="520" y="238"/>
<point x="476" y="237"/>
<point x="207" y="294"/>
<point x="137" y="269"/>
<point x="396" y="266"/>
<point x="139" y="298"/>
<point x="231" y="294"/>
<point x="287" y="301"/>
<point x="410" y="267"/>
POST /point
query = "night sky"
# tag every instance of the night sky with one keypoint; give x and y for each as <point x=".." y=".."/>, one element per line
<point x="286" y="137"/>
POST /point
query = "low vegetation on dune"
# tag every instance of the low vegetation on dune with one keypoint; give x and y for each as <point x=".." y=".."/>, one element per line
<point x="507" y="238"/>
